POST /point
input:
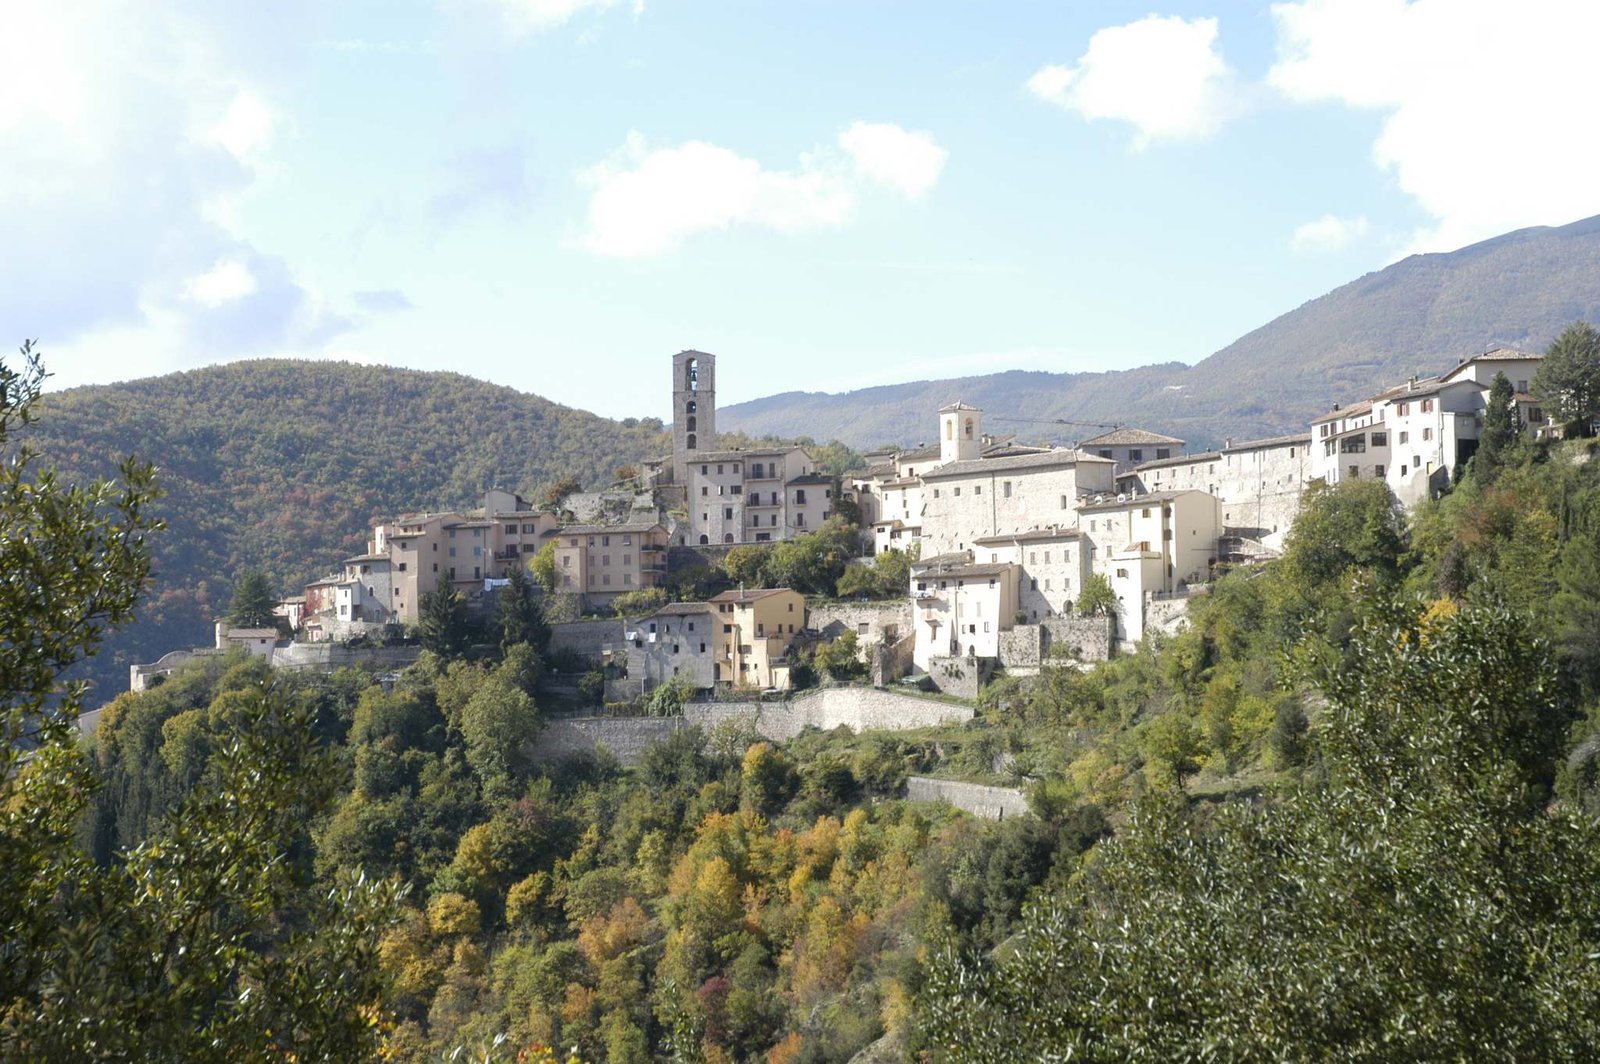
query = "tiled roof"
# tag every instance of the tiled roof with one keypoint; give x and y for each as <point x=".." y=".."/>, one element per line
<point x="950" y="408"/>
<point x="919" y="452"/>
<point x="810" y="478"/>
<point x="1353" y="410"/>
<point x="1032" y="535"/>
<point x="682" y="609"/>
<point x="592" y="530"/>
<point x="1271" y="441"/>
<point x="965" y="569"/>
<point x="1129" y="437"/>
<point x="1135" y="500"/>
<point x="1058" y="458"/>
<point x="1181" y="459"/>
<point x="751" y="596"/>
<point x="701" y="457"/>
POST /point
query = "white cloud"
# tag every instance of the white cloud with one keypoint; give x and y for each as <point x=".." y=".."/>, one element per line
<point x="903" y="160"/>
<point x="538" y="16"/>
<point x="1328" y="233"/>
<point x="647" y="201"/>
<point x="1162" y="74"/>
<point x="1486" y="104"/>
<point x="228" y="280"/>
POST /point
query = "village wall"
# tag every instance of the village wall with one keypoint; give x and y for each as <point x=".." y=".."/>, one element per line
<point x="990" y="803"/>
<point x="1083" y="638"/>
<point x="890" y="661"/>
<point x="962" y="677"/>
<point x="626" y="737"/>
<point x="586" y="638"/>
<point x="873" y="622"/>
<point x="336" y="655"/>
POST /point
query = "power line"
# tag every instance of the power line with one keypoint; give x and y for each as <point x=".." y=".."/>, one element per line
<point x="1056" y="421"/>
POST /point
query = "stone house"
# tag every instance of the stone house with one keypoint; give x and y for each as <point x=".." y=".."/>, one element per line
<point x="961" y="606"/>
<point x="601" y="562"/>
<point x="676" y="642"/>
<point x="1131" y="447"/>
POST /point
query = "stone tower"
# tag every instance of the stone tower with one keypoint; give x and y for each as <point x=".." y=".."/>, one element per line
<point x="694" y="409"/>
<point x="960" y="433"/>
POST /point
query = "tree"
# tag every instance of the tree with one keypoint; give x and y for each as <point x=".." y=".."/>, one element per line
<point x="521" y="617"/>
<point x="1568" y="379"/>
<point x="1501" y="428"/>
<point x="638" y="603"/>
<point x="543" y="567"/>
<point x="253" y="601"/>
<point x="1420" y="902"/>
<point x="198" y="944"/>
<point x="746" y="564"/>
<point x="1097" y="597"/>
<point x="497" y="724"/>
<point x="442" y="622"/>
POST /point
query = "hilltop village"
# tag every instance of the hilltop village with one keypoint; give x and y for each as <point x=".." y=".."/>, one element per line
<point x="1012" y="552"/>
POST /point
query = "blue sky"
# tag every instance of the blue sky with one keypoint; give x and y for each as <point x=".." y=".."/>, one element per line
<point x="558" y="194"/>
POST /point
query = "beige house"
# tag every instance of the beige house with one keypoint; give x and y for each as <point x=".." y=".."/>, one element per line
<point x="601" y="562"/>
<point x="961" y="606"/>
<point x="755" y="495"/>
<point x="754" y="630"/>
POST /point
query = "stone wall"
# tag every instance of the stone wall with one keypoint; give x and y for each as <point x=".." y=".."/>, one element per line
<point x="329" y="656"/>
<point x="626" y="737"/>
<point x="990" y="803"/>
<point x="1022" y="647"/>
<point x="859" y="708"/>
<point x="873" y="622"/>
<point x="586" y="638"/>
<point x="1169" y="615"/>
<point x="961" y="677"/>
<point x="1083" y="638"/>
<point x="890" y="661"/>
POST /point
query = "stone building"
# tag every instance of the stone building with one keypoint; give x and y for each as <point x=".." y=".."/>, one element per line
<point x="1151" y="545"/>
<point x="676" y="642"/>
<point x="1052" y="565"/>
<point x="1259" y="483"/>
<point x="1131" y="447"/>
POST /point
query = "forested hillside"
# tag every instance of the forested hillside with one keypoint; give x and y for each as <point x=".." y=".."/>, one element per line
<point x="284" y="465"/>
<point x="1349" y="812"/>
<point x="1417" y="316"/>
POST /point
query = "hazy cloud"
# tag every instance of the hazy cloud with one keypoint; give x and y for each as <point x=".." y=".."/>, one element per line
<point x="383" y="300"/>
<point x="1328" y="233"/>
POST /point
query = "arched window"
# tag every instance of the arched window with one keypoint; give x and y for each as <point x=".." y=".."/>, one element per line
<point x="949" y="430"/>
<point x="969" y="428"/>
<point x="691" y="407"/>
<point x="727" y="537"/>
<point x="705" y="539"/>
<point x="692" y="371"/>
<point x="689" y="443"/>
<point x="690" y="425"/>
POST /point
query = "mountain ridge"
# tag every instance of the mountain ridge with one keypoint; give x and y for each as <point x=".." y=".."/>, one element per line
<point x="1417" y="315"/>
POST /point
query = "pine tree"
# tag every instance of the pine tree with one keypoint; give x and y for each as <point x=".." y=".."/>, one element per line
<point x="253" y="601"/>
<point x="1568" y="380"/>
<point x="521" y="617"/>
<point x="442" y="622"/>
<point x="1501" y="426"/>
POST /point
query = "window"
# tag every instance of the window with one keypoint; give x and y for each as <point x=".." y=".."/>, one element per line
<point x="1427" y="434"/>
<point x="727" y="628"/>
<point x="605" y="559"/>
<point x="402" y="567"/>
<point x="800" y="496"/>
<point x="1047" y="557"/>
<point x="1163" y="452"/>
<point x="511" y="529"/>
<point x="1145" y="512"/>
<point x="1105" y="452"/>
<point x="452" y="552"/>
<point x="1355" y="472"/>
<point x="627" y="559"/>
<point x="1380" y="439"/>
<point x="1005" y="488"/>
<point x="935" y="493"/>
<point x="977" y="489"/>
<point x="800" y="520"/>
<point x="727" y="513"/>
<point x="1405" y="437"/>
<point x="719" y="467"/>
<point x="606" y="579"/>
<point x="1427" y="406"/>
<point x="1379" y="471"/>
<point x="1063" y="502"/>
<point x="1135" y="454"/>
<point x="1122" y="574"/>
<point x="702" y="470"/>
<point x="955" y="491"/>
<point x="1353" y="444"/>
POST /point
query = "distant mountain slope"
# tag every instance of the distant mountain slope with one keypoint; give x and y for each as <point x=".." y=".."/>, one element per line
<point x="1416" y="316"/>
<point x="284" y="465"/>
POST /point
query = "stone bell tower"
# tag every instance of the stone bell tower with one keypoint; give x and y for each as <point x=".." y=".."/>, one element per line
<point x="694" y="409"/>
<point x="960" y="433"/>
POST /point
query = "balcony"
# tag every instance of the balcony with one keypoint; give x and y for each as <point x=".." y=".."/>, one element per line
<point x="752" y="502"/>
<point x="766" y="473"/>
